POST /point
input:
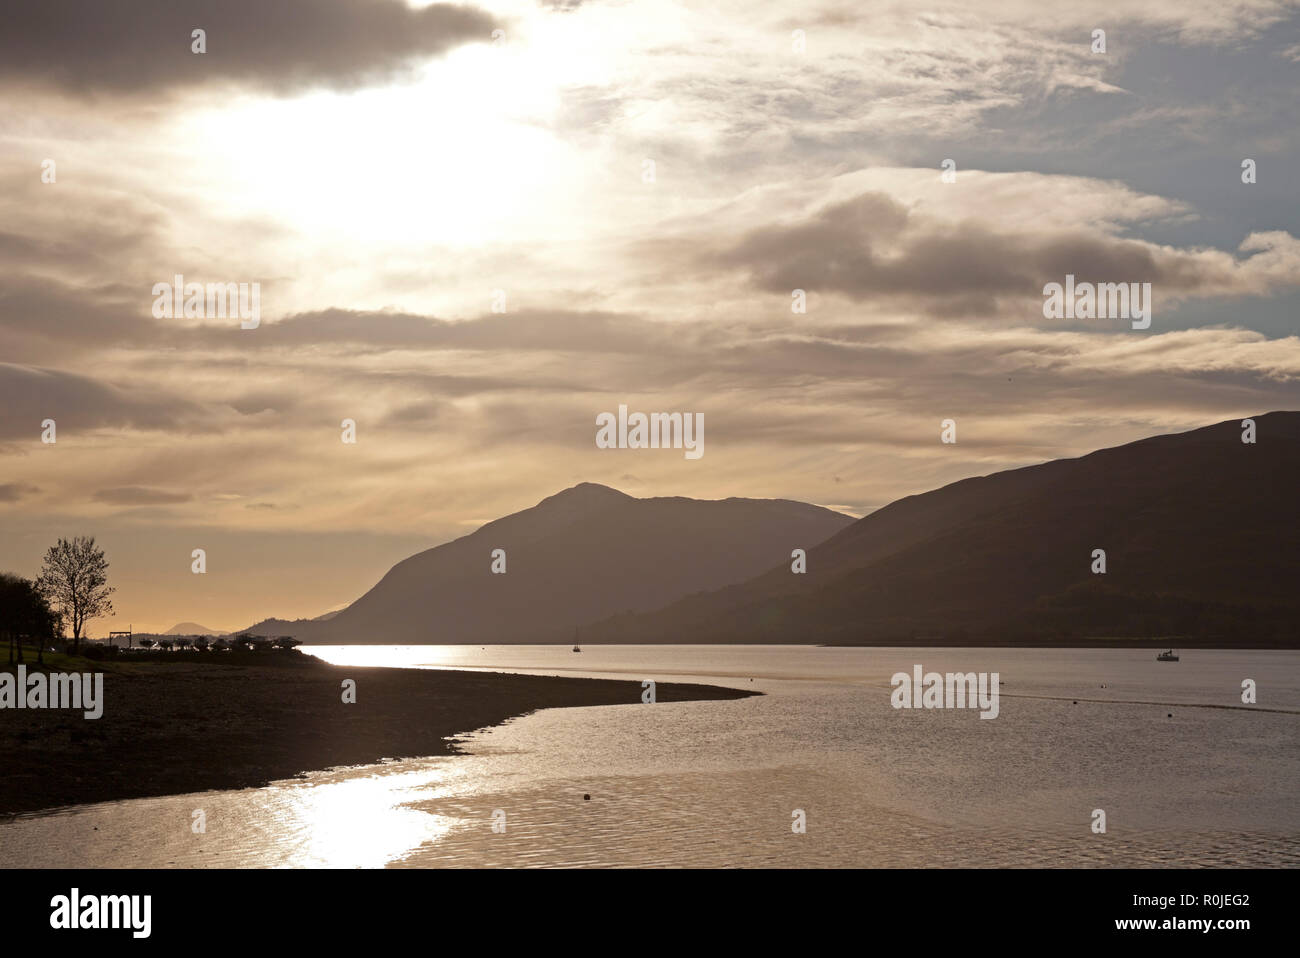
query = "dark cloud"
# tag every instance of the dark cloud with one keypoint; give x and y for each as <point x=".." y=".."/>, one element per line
<point x="13" y="491"/>
<point x="140" y="496"/>
<point x="76" y="403"/>
<point x="45" y="321"/>
<point x="91" y="47"/>
<point x="872" y="246"/>
<point x="415" y="414"/>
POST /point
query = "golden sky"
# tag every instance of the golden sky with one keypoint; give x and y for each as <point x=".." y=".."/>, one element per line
<point x="388" y="174"/>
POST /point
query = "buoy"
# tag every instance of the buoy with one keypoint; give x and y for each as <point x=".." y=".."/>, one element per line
<point x="586" y="798"/>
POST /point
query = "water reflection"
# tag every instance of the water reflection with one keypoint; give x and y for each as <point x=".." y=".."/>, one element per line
<point x="343" y="818"/>
<point x="714" y="783"/>
<point x="352" y="822"/>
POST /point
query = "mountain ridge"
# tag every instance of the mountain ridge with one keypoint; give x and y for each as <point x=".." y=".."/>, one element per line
<point x="576" y="556"/>
<point x="967" y="561"/>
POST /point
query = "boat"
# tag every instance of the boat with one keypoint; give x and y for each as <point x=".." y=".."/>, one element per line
<point x="577" y="648"/>
<point x="1167" y="656"/>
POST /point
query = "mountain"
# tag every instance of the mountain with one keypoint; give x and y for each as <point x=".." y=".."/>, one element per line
<point x="1199" y="531"/>
<point x="192" y="628"/>
<point x="576" y="557"/>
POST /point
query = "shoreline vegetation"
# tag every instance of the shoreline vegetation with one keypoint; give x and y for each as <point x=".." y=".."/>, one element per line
<point x="188" y="722"/>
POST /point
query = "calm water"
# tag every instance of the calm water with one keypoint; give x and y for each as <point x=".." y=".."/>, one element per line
<point x="715" y="783"/>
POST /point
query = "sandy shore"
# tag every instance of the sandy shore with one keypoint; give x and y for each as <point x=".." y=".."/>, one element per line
<point x="170" y="728"/>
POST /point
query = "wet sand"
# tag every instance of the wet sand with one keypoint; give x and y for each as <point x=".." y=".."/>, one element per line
<point x="175" y="727"/>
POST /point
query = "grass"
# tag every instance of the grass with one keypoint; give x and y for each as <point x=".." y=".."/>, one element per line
<point x="144" y="662"/>
<point x="59" y="662"/>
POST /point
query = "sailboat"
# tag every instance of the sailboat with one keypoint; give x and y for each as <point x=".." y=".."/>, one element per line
<point x="1167" y="656"/>
<point x="576" y="646"/>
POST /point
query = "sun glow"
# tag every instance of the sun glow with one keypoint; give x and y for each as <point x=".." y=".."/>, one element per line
<point x="464" y="155"/>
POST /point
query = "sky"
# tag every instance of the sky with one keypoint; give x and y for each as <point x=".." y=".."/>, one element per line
<point x="476" y="228"/>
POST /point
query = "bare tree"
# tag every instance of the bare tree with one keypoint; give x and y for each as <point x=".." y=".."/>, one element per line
<point x="75" y="581"/>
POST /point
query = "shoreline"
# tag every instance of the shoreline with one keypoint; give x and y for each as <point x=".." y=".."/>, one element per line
<point x="172" y="728"/>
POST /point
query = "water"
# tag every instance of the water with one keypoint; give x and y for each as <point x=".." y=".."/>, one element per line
<point x="716" y="783"/>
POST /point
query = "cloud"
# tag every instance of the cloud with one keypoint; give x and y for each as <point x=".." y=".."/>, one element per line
<point x="88" y="47"/>
<point x="80" y="403"/>
<point x="140" y="496"/>
<point x="13" y="491"/>
<point x="524" y="330"/>
<point x="726" y="82"/>
<point x="872" y="246"/>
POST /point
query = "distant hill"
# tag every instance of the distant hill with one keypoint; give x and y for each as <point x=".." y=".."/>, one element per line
<point x="192" y="628"/>
<point x="1201" y="534"/>
<point x="298" y="628"/>
<point x="576" y="557"/>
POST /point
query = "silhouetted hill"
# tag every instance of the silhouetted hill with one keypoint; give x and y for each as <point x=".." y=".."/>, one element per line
<point x="1199" y="529"/>
<point x="576" y="557"/>
<point x="192" y="628"/>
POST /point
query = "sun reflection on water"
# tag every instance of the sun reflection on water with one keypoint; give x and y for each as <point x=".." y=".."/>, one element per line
<point x="362" y="822"/>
